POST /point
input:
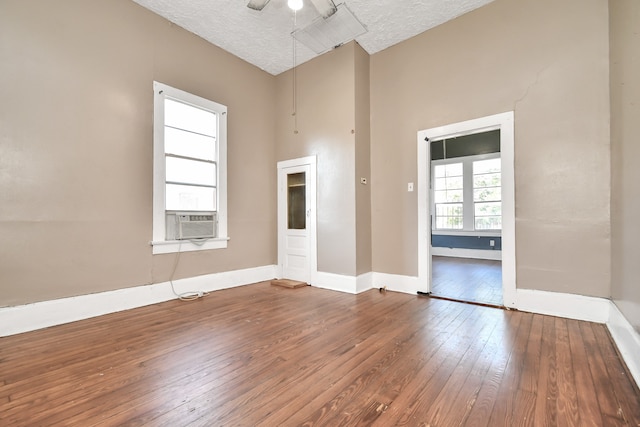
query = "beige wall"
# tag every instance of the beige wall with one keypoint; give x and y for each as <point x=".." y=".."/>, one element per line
<point x="76" y="147"/>
<point x="624" y="18"/>
<point x="362" y="161"/>
<point x="548" y="62"/>
<point x="325" y="121"/>
<point x="76" y="127"/>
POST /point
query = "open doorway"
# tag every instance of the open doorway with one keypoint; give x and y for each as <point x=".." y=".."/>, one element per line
<point x="465" y="233"/>
<point x="466" y="217"/>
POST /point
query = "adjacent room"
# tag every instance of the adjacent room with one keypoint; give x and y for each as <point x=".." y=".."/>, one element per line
<point x="453" y="180"/>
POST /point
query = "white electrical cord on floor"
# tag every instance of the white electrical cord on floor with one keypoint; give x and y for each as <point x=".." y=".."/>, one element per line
<point x="189" y="295"/>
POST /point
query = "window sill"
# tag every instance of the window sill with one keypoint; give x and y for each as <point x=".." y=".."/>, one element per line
<point x="173" y="246"/>
<point x="488" y="233"/>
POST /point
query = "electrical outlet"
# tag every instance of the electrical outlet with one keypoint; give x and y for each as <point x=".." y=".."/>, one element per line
<point x="410" y="186"/>
<point x="492" y="243"/>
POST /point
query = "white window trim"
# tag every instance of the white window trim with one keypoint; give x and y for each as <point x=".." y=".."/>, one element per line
<point x="468" y="228"/>
<point x="159" y="243"/>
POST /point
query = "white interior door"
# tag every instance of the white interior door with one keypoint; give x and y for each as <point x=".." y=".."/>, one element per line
<point x="297" y="219"/>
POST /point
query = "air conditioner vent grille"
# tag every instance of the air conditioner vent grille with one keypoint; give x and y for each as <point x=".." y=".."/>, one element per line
<point x="191" y="225"/>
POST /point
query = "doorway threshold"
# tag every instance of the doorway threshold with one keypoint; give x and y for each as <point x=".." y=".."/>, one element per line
<point x="482" y="304"/>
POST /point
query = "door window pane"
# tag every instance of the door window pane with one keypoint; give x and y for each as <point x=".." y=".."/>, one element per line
<point x="296" y="201"/>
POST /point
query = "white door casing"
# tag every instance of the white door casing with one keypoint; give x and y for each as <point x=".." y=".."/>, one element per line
<point x="504" y="122"/>
<point x="297" y="247"/>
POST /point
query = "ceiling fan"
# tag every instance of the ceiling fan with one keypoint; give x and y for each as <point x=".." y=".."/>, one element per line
<point x="325" y="8"/>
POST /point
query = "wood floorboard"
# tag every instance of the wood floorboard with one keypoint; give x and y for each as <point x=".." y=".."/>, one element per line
<point x="619" y="375"/>
<point x="372" y="409"/>
<point x="607" y="394"/>
<point x="261" y="355"/>
<point x="504" y="408"/>
<point x="467" y="279"/>
<point x="478" y="410"/>
<point x="347" y="373"/>
<point x="545" y="411"/>
<point x="567" y="402"/>
<point x="587" y="403"/>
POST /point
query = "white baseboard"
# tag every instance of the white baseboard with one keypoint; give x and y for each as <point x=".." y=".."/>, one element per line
<point x="336" y="282"/>
<point x="626" y="338"/>
<point x="467" y="253"/>
<point x="396" y="283"/>
<point x="344" y="283"/>
<point x="570" y="306"/>
<point x="364" y="282"/>
<point x="29" y="317"/>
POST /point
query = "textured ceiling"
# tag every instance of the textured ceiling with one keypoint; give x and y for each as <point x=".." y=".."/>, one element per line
<point x="263" y="38"/>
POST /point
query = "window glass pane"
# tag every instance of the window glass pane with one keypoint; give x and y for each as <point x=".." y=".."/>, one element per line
<point x="190" y="198"/>
<point x="454" y="195"/>
<point x="453" y="169"/>
<point x="449" y="209"/>
<point x="449" y="216"/>
<point x="487" y="180"/>
<point x="189" y="144"/>
<point x="439" y="171"/>
<point x="188" y="117"/>
<point x="488" y="209"/>
<point x="190" y="171"/>
<point x="486" y="166"/>
<point x="488" y="223"/>
<point x="454" y="183"/>
<point x="489" y="194"/>
<point x="449" y="223"/>
<point x="444" y="196"/>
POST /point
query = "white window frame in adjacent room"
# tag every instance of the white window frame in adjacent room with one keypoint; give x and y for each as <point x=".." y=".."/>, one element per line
<point x="160" y="243"/>
<point x="468" y="202"/>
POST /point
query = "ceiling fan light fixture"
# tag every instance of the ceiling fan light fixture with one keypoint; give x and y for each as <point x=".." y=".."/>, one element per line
<point x="294" y="4"/>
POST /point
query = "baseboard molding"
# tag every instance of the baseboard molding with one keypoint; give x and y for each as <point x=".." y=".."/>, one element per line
<point x="467" y="253"/>
<point x="396" y="283"/>
<point x="336" y="282"/>
<point x="570" y="306"/>
<point x="29" y="317"/>
<point x="626" y="338"/>
<point x="364" y="282"/>
<point x="344" y="283"/>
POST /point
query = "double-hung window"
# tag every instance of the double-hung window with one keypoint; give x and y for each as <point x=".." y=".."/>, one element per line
<point x="487" y="195"/>
<point x="448" y="195"/>
<point x="467" y="193"/>
<point x="189" y="197"/>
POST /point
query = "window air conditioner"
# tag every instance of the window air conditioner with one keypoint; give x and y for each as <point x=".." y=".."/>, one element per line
<point x="191" y="225"/>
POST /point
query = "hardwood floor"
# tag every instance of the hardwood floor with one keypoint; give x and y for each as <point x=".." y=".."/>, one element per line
<point x="467" y="279"/>
<point x="270" y="356"/>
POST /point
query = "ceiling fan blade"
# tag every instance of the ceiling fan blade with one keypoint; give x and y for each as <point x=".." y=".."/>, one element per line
<point x="257" y="4"/>
<point x="325" y="8"/>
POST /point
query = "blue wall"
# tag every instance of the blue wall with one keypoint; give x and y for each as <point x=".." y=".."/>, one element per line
<point x="466" y="242"/>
